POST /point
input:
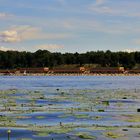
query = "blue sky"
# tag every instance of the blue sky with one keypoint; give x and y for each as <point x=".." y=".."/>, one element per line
<point x="70" y="25"/>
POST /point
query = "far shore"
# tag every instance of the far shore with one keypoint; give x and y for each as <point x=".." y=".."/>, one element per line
<point x="72" y="74"/>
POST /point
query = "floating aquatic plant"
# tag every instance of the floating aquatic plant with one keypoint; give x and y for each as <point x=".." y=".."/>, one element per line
<point x="40" y="117"/>
<point x="85" y="135"/>
<point x="113" y="135"/>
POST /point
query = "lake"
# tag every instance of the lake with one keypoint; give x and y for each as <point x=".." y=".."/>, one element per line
<point x="64" y="82"/>
<point x="69" y="107"/>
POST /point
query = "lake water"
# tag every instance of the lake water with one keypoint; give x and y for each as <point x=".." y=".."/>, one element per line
<point x="64" y="82"/>
<point x="70" y="107"/>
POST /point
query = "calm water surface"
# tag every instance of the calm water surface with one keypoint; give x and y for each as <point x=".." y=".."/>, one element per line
<point x="68" y="82"/>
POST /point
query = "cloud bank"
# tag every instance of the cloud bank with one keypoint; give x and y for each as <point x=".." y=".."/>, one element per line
<point x="26" y="32"/>
<point x="2" y="48"/>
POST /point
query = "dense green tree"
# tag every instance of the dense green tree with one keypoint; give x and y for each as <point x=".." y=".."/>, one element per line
<point x="44" y="58"/>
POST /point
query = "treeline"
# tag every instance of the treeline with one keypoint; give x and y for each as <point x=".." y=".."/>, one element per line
<point x="44" y="58"/>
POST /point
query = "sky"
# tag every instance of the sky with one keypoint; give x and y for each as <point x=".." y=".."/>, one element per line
<point x="70" y="25"/>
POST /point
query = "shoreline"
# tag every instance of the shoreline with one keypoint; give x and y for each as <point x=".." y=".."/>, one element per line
<point x="66" y="74"/>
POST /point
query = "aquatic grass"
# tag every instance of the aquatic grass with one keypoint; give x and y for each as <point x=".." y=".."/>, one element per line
<point x="101" y="110"/>
<point x="132" y="118"/>
<point x="40" y="117"/>
<point x="53" y="130"/>
<point x="81" y="116"/>
<point x="23" y="117"/>
<point x="85" y="135"/>
<point x="113" y="135"/>
<point x="78" y="116"/>
<point x="106" y="103"/>
<point x="83" y="103"/>
<point x="42" y="134"/>
<point x="96" y="117"/>
<point x="102" y="128"/>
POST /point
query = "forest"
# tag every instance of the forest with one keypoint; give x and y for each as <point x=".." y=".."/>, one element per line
<point x="44" y="58"/>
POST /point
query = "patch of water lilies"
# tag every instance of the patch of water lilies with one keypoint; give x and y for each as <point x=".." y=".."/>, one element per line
<point x="57" y="112"/>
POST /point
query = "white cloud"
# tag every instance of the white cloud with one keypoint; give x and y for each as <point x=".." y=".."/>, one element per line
<point x="9" y="36"/>
<point x="49" y="47"/>
<point x="2" y="48"/>
<point x="130" y="50"/>
<point x="26" y="32"/>
<point x="19" y="33"/>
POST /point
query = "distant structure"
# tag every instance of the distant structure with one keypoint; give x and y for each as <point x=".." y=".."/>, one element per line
<point x="33" y="70"/>
<point x="104" y="70"/>
<point x="67" y="70"/>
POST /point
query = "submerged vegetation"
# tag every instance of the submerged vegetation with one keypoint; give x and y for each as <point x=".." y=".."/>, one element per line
<point x="70" y="114"/>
